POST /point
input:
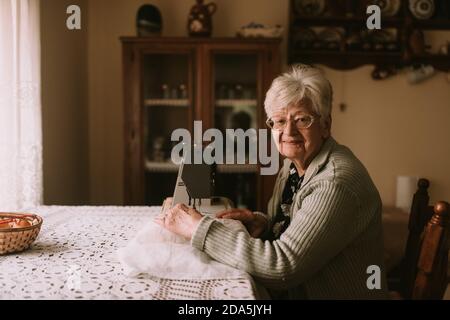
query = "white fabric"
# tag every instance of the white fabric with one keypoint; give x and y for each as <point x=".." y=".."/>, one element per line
<point x="20" y="105"/>
<point x="160" y="253"/>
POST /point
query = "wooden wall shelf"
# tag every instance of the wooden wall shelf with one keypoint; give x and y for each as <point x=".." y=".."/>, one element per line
<point x="344" y="58"/>
<point x="340" y="21"/>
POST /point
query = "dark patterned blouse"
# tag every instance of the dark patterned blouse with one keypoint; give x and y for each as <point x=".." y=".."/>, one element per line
<point x="282" y="218"/>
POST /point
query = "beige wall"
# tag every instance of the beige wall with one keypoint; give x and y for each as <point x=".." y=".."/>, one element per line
<point x="64" y="106"/>
<point x="395" y="128"/>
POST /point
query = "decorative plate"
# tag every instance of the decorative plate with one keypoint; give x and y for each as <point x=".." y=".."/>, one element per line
<point x="383" y="36"/>
<point x="148" y="21"/>
<point x="389" y="8"/>
<point x="384" y="40"/>
<point x="331" y="38"/>
<point x="304" y="38"/>
<point x="354" y="41"/>
<point x="309" y="8"/>
<point x="422" y="9"/>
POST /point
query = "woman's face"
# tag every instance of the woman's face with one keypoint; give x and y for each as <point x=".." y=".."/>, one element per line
<point x="300" y="145"/>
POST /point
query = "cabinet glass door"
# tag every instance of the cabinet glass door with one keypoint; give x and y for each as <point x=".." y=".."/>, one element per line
<point x="167" y="104"/>
<point x="236" y="100"/>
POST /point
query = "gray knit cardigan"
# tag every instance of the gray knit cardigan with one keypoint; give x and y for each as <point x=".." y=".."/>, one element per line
<point x="335" y="234"/>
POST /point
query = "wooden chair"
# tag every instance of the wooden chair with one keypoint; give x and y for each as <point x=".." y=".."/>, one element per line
<point x="423" y="270"/>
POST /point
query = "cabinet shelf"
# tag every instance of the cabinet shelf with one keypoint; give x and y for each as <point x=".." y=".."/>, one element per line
<point x="154" y="166"/>
<point x="236" y="103"/>
<point x="432" y="24"/>
<point x="166" y="167"/>
<point x="167" y="102"/>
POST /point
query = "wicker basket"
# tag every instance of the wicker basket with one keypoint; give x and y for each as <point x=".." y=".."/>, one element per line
<point x="18" y="239"/>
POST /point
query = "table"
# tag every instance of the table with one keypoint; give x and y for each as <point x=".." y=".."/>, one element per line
<point x="74" y="257"/>
<point x="81" y="243"/>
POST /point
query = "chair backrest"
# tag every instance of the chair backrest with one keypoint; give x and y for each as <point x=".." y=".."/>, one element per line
<point x="426" y="253"/>
<point x="431" y="280"/>
<point x="419" y="217"/>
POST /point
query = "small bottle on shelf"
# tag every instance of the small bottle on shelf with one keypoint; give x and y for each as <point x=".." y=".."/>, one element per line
<point x="183" y="91"/>
<point x="247" y="93"/>
<point x="231" y="94"/>
<point x="165" y="91"/>
<point x="174" y="93"/>
<point x="158" y="149"/>
<point x="223" y="92"/>
<point x="238" y="91"/>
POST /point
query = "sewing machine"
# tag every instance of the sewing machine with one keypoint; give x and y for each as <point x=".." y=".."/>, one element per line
<point x="195" y="188"/>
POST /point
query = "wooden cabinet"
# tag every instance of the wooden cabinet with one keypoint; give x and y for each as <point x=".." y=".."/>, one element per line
<point x="171" y="82"/>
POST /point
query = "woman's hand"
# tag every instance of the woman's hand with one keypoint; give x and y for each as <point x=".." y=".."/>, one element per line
<point x="255" y="223"/>
<point x="180" y="220"/>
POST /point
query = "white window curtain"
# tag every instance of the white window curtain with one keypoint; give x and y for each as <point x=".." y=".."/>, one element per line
<point x="20" y="105"/>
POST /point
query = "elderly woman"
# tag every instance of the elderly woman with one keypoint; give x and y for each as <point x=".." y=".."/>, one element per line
<point x="322" y="234"/>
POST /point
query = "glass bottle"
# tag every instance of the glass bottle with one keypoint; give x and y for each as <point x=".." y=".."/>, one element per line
<point x="165" y="91"/>
<point x="183" y="91"/>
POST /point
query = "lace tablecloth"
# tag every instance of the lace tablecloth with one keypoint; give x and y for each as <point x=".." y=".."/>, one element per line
<point x="74" y="257"/>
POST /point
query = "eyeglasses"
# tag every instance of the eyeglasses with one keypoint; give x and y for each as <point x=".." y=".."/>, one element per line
<point x="301" y="122"/>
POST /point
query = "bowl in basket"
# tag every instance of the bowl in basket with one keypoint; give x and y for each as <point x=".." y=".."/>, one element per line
<point x="18" y="231"/>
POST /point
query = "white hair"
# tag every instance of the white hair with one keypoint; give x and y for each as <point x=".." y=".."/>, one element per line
<point x="301" y="83"/>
